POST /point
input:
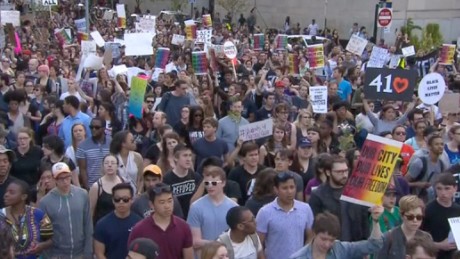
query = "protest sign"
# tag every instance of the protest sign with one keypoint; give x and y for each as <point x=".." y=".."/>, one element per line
<point x="120" y="69"/>
<point x="259" y="41"/>
<point x="49" y="2"/>
<point x="315" y="55"/>
<point x="378" y="58"/>
<point x="190" y="29"/>
<point x="62" y="36"/>
<point x="199" y="63"/>
<point x="450" y="103"/>
<point x="389" y="84"/>
<point x="178" y="39"/>
<point x="394" y="60"/>
<point x="162" y="58"/>
<point x="293" y="64"/>
<point x="138" y="44"/>
<point x="88" y="47"/>
<point x="256" y="130"/>
<point x="372" y="174"/>
<point x="147" y="24"/>
<point x="98" y="38"/>
<point x="133" y="72"/>
<point x="121" y="14"/>
<point x="80" y="24"/>
<point x="12" y="17"/>
<point x="207" y="20"/>
<point x="431" y="88"/>
<point x="318" y="98"/>
<point x="408" y="51"/>
<point x="136" y="97"/>
<point x="203" y="36"/>
<point x="108" y="15"/>
<point x="94" y="62"/>
<point x="115" y="47"/>
<point x="454" y="224"/>
<point x="230" y="50"/>
<point x="356" y="45"/>
<point x="446" y="57"/>
<point x="119" y="41"/>
<point x="281" y="41"/>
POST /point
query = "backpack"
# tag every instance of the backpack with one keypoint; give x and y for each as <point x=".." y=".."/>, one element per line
<point x="225" y="239"/>
<point x="424" y="169"/>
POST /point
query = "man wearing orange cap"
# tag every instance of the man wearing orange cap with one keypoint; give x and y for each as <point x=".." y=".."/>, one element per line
<point x="152" y="175"/>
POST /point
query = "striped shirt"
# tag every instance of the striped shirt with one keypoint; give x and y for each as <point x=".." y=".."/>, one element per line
<point x="93" y="153"/>
<point x="284" y="231"/>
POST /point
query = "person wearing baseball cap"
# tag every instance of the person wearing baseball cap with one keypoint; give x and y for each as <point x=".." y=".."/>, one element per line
<point x="67" y="206"/>
<point x="152" y="175"/>
<point x="7" y="158"/>
<point x="143" y="248"/>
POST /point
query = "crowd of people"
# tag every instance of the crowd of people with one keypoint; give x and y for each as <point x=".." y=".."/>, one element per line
<point x="82" y="177"/>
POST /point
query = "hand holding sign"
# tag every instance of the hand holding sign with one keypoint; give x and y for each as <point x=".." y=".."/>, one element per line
<point x="389" y="84"/>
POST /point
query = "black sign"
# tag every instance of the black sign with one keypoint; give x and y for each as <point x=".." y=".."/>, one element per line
<point x="389" y="84"/>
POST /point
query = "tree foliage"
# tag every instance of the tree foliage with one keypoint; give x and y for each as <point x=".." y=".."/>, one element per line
<point x="431" y="37"/>
<point x="234" y="6"/>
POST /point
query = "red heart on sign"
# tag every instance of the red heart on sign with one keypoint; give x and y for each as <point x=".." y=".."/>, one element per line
<point x="400" y="84"/>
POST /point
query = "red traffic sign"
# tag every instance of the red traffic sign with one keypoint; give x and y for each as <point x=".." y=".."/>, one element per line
<point x="385" y="16"/>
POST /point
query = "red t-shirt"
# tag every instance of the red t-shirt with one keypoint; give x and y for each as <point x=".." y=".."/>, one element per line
<point x="406" y="152"/>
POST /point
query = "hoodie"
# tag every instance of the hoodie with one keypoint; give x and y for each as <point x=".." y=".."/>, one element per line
<point x="72" y="225"/>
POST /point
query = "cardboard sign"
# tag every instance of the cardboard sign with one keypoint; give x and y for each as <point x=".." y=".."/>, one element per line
<point x="408" y="51"/>
<point x="449" y="103"/>
<point x="389" y="84"/>
<point x="378" y="58"/>
<point x="431" y="88"/>
<point x="455" y="230"/>
<point x="12" y="17"/>
<point x="178" y="39"/>
<point x="356" y="45"/>
<point x="372" y="174"/>
<point x="256" y="130"/>
<point x="318" y="99"/>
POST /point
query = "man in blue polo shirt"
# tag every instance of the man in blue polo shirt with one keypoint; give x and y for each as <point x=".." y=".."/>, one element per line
<point x="72" y="107"/>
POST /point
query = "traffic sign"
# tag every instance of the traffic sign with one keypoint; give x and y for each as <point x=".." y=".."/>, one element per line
<point x="384" y="17"/>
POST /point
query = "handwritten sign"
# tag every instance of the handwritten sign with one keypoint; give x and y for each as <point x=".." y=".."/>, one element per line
<point x="372" y="174"/>
<point x="203" y="36"/>
<point x="455" y="230"/>
<point x="318" y="99"/>
<point x="10" y="17"/>
<point x="378" y="57"/>
<point x="256" y="130"/>
<point x="178" y="39"/>
<point x="356" y="45"/>
<point x="431" y="88"/>
<point x="408" y="51"/>
<point x="147" y="24"/>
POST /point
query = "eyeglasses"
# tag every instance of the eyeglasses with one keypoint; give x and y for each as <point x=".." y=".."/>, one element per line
<point x="401" y="133"/>
<point x="412" y="217"/>
<point x="213" y="183"/>
<point x="118" y="200"/>
<point x="95" y="127"/>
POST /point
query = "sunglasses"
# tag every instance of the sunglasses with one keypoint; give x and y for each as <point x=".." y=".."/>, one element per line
<point x="213" y="183"/>
<point x="118" y="200"/>
<point x="150" y="101"/>
<point x="412" y="217"/>
<point x="95" y="127"/>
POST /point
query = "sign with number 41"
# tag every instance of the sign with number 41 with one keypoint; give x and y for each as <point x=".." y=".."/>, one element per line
<point x="389" y="84"/>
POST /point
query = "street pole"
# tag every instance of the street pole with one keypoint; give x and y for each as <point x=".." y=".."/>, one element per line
<point x="325" y="15"/>
<point x="87" y="15"/>
<point x="375" y="21"/>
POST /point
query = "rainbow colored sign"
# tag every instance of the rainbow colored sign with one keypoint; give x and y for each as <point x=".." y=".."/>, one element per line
<point x="207" y="20"/>
<point x="190" y="30"/>
<point x="162" y="58"/>
<point x="136" y="97"/>
<point x="316" y="55"/>
<point x="200" y="62"/>
<point x="259" y="41"/>
<point x="447" y="54"/>
<point x="372" y="174"/>
<point x="281" y="41"/>
<point x="293" y="64"/>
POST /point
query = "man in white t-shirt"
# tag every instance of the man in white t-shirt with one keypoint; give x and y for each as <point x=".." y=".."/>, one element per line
<point x="241" y="240"/>
<point x="313" y="28"/>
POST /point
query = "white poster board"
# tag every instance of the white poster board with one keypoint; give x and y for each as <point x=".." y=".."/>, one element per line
<point x="12" y="17"/>
<point x="178" y="39"/>
<point x="88" y="47"/>
<point x="49" y="2"/>
<point x="203" y="36"/>
<point x="378" y="58"/>
<point x="356" y="45"/>
<point x="256" y="130"/>
<point x="455" y="230"/>
<point x="80" y="24"/>
<point x="94" y="62"/>
<point x="147" y="24"/>
<point x="431" y="88"/>
<point x="139" y="44"/>
<point x="318" y="99"/>
<point x="98" y="38"/>
<point x="408" y="51"/>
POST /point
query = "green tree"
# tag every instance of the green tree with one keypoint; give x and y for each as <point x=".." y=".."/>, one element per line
<point x="234" y="6"/>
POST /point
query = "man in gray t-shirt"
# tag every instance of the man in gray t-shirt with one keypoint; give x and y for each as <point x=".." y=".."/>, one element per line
<point x="422" y="170"/>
